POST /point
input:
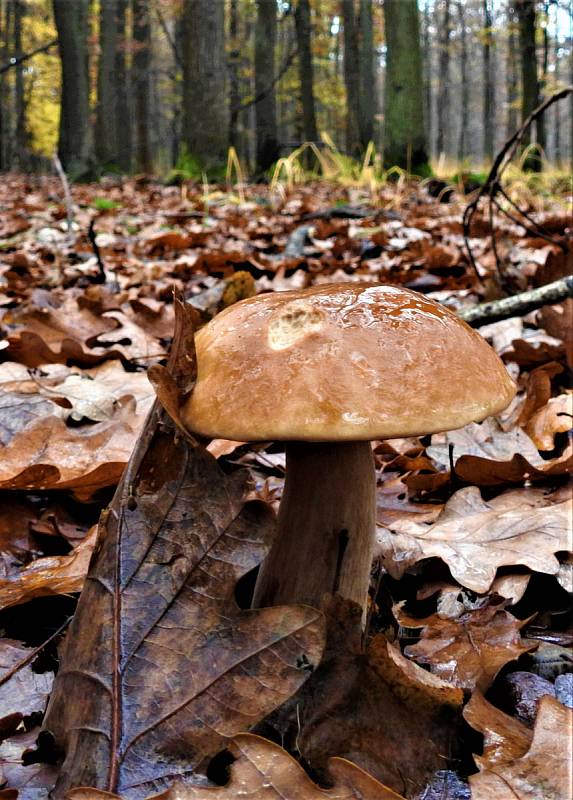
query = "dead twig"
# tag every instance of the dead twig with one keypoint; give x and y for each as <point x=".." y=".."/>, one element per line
<point x="492" y="187"/>
<point x="16" y="61"/>
<point x="518" y="304"/>
<point x="92" y="236"/>
<point x="67" y="193"/>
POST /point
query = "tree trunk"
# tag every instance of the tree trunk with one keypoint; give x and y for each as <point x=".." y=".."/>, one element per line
<point x="205" y="120"/>
<point x="529" y="81"/>
<point x="21" y="144"/>
<point x="266" y="107"/>
<point x="464" y="101"/>
<point x="234" y="94"/>
<point x="75" y="141"/>
<point x="106" y="122"/>
<point x="122" y="95"/>
<point x="557" y="141"/>
<point x="305" y="69"/>
<point x="512" y="87"/>
<point x="142" y="85"/>
<point x="427" y="70"/>
<point x="444" y="86"/>
<point x="351" y="78"/>
<point x="367" y="104"/>
<point x="404" y="133"/>
<point x="488" y="84"/>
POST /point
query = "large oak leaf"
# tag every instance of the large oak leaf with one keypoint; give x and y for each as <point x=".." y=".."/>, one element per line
<point x="474" y="538"/>
<point x="160" y="664"/>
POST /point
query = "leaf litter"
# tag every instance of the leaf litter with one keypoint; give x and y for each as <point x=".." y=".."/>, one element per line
<point x="464" y="518"/>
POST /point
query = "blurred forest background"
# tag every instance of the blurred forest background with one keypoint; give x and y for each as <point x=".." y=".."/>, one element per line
<point x="153" y="86"/>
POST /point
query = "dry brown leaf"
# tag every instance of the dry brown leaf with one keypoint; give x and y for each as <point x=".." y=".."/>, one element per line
<point x="504" y="737"/>
<point x="22" y="691"/>
<point x="265" y="771"/>
<point x="48" y="454"/>
<point x="48" y="576"/>
<point x="474" y="539"/>
<point x="544" y="772"/>
<point x="469" y="651"/>
<point x="555" y="417"/>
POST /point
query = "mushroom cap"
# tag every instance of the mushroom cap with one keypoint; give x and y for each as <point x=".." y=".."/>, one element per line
<point x="341" y="362"/>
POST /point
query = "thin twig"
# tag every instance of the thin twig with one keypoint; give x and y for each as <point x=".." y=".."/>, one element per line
<point x="33" y="653"/>
<point x="15" y="62"/>
<point x="67" y="193"/>
<point x="503" y="158"/>
<point x="92" y="236"/>
<point x="264" y="92"/>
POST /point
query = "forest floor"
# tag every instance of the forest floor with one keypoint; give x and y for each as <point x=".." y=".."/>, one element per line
<point x="464" y="677"/>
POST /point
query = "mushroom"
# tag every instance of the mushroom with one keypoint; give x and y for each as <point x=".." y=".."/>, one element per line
<point x="327" y="370"/>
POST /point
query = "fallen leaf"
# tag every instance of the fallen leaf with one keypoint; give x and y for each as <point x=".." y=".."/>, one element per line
<point x="265" y="771"/>
<point x="543" y="771"/>
<point x="22" y="691"/>
<point x="48" y="576"/>
<point x="504" y="737"/>
<point x="555" y="417"/>
<point x="191" y="667"/>
<point x="475" y="539"/>
<point x="469" y="651"/>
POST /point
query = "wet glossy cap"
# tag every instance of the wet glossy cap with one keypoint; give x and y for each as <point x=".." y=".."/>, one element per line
<point x="342" y="362"/>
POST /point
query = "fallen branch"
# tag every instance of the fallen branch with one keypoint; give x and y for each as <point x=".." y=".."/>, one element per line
<point x="519" y="304"/>
<point x="15" y="62"/>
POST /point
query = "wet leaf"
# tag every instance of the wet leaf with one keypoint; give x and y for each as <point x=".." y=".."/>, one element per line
<point x="469" y="651"/>
<point x="543" y="771"/>
<point x="475" y="539"/>
<point x="191" y="668"/>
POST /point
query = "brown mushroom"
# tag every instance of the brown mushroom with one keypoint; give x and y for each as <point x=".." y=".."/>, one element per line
<point x="327" y="370"/>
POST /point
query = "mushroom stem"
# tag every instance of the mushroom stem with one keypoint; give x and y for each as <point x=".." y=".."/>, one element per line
<point x="326" y="526"/>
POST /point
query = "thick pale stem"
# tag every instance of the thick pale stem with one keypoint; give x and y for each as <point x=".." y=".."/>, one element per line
<point x="326" y="526"/>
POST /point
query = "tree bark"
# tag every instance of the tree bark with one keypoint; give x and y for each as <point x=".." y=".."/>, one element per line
<point x="464" y="100"/>
<point x="107" y="108"/>
<point x="512" y="87"/>
<point x="21" y="143"/>
<point x="75" y="141"/>
<point x="444" y="85"/>
<point x="326" y="526"/>
<point x="404" y="133"/>
<point x="305" y="69"/>
<point x="141" y="73"/>
<point x="234" y="55"/>
<point x="427" y="70"/>
<point x="205" y="115"/>
<point x="351" y="77"/>
<point x="529" y="80"/>
<point x="488" y="84"/>
<point x="266" y="108"/>
<point x="367" y="104"/>
<point x="123" y="100"/>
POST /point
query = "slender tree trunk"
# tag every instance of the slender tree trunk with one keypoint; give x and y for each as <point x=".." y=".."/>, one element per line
<point x="122" y="94"/>
<point x="106" y="122"/>
<point x="234" y="56"/>
<point x="427" y="71"/>
<point x="557" y="106"/>
<point x="141" y="78"/>
<point x="512" y="83"/>
<point x="351" y="77"/>
<point x="75" y="141"/>
<point x="206" y="119"/>
<point x="404" y="133"/>
<point x="529" y="81"/>
<point x="266" y="108"/>
<point x="305" y="69"/>
<point x="21" y="144"/>
<point x="367" y="105"/>
<point x="464" y="100"/>
<point x="488" y="84"/>
<point x="444" y="87"/>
